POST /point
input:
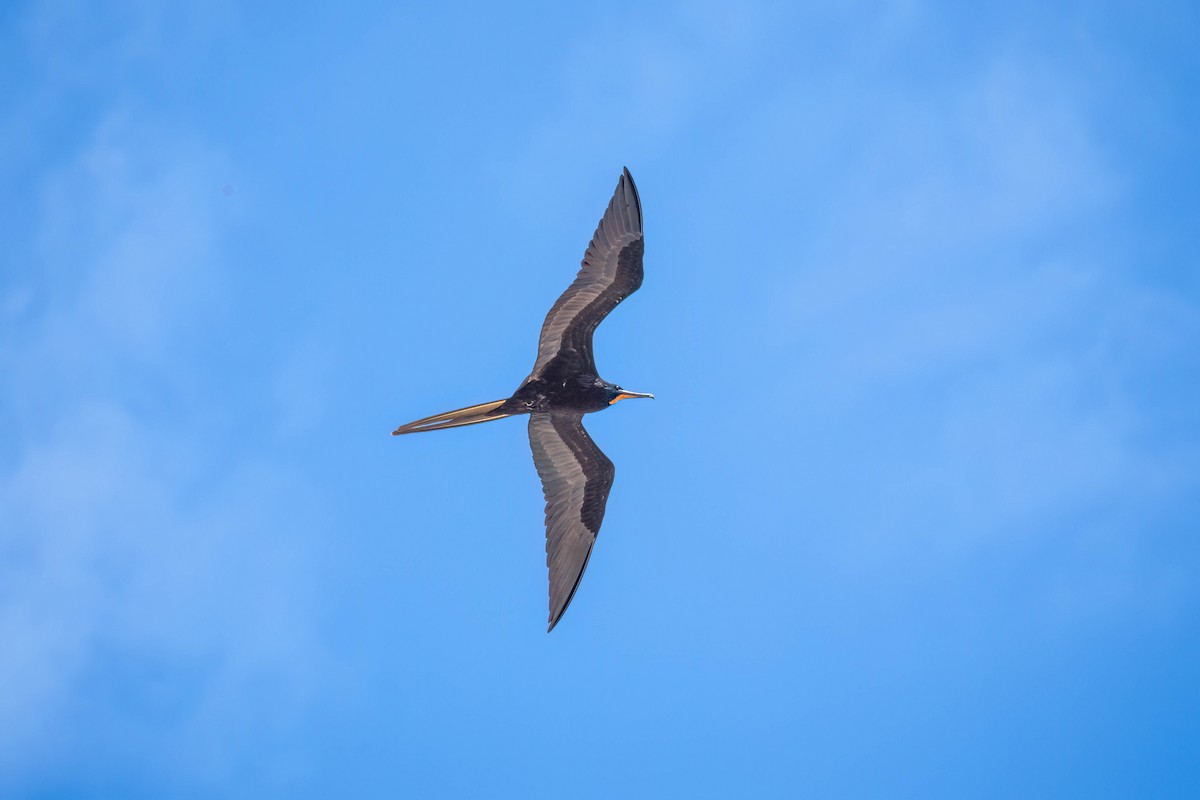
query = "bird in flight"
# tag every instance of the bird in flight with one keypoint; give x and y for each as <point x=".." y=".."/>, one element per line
<point x="576" y="475"/>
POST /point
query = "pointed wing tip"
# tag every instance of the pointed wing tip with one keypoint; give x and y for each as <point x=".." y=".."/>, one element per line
<point x="627" y="178"/>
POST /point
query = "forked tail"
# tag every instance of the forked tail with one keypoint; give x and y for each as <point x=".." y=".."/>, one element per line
<point x="471" y="415"/>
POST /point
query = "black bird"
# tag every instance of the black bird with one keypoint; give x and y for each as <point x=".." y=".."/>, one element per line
<point x="576" y="475"/>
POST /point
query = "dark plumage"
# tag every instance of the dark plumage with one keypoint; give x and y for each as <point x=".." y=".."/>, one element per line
<point x="563" y="386"/>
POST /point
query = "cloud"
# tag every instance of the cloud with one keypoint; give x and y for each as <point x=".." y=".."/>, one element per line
<point x="966" y="318"/>
<point x="131" y="537"/>
<point x="626" y="86"/>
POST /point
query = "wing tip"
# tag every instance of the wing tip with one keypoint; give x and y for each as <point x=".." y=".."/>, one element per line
<point x="635" y="198"/>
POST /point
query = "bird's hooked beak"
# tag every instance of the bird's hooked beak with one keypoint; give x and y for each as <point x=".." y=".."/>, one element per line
<point x="624" y="395"/>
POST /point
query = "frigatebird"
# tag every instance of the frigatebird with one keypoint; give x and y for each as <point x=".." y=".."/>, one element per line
<point x="576" y="476"/>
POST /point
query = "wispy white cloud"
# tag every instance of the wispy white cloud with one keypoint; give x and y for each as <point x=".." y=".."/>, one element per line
<point x="628" y="85"/>
<point x="128" y="536"/>
<point x="968" y="265"/>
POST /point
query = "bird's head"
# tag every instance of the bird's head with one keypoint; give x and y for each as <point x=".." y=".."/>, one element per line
<point x="616" y="393"/>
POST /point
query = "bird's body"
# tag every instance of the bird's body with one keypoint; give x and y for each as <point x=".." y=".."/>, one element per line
<point x="563" y="386"/>
<point x="581" y="392"/>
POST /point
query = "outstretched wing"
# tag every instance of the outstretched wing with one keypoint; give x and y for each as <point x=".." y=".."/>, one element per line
<point x="611" y="271"/>
<point x="576" y="478"/>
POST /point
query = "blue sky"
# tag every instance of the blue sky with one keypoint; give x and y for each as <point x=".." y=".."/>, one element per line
<point x="915" y="511"/>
